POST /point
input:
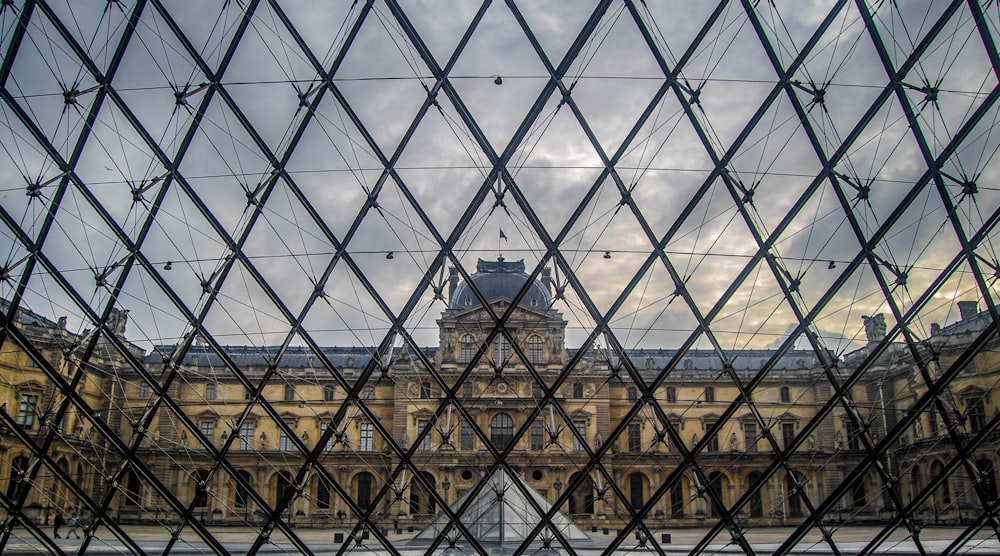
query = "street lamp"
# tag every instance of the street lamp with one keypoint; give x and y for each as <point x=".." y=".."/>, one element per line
<point x="558" y="486"/>
<point x="446" y="484"/>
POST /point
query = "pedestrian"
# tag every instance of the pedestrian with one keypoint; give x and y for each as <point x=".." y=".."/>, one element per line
<point x="74" y="525"/>
<point x="58" y="522"/>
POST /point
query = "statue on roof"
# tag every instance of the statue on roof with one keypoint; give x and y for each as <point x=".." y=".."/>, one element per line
<point x="874" y="328"/>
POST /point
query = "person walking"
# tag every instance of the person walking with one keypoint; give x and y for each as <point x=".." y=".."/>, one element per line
<point x="57" y="523"/>
<point x="74" y="525"/>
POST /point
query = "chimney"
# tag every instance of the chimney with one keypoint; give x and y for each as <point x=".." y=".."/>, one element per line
<point x="452" y="282"/>
<point x="968" y="309"/>
<point x="547" y="279"/>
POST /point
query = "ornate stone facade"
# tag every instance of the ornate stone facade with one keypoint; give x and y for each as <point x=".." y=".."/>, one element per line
<point x="510" y="401"/>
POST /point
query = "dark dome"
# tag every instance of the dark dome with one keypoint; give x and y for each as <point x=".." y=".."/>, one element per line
<point x="500" y="280"/>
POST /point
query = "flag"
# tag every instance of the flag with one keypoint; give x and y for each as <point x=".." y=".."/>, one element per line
<point x="503" y="236"/>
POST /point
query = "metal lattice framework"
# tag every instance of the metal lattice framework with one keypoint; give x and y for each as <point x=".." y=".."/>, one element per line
<point x="729" y="181"/>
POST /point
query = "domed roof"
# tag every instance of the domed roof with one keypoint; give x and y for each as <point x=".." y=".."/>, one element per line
<point x="500" y="280"/>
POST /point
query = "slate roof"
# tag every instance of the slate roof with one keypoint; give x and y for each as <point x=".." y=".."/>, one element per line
<point x="500" y="280"/>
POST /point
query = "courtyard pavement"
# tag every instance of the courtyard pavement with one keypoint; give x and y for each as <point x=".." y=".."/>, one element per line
<point x="764" y="540"/>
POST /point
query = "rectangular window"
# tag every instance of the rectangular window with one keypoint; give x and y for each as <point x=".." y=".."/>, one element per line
<point x="467" y="390"/>
<point x="976" y="414"/>
<point x="709" y="394"/>
<point x="537" y="436"/>
<point x="425" y="442"/>
<point x="671" y="394"/>
<point x="210" y="391"/>
<point x="368" y="393"/>
<point x="246" y="436"/>
<point x="26" y="414"/>
<point x="467" y="438"/>
<point x="502" y="351"/>
<point x="329" y="392"/>
<point x="578" y="390"/>
<point x="787" y="434"/>
<point x="671" y="443"/>
<point x="284" y="442"/>
<point x="289" y="393"/>
<point x="713" y="442"/>
<point x="852" y="436"/>
<point x="750" y="436"/>
<point x="322" y="431"/>
<point x="208" y="430"/>
<point x="143" y="390"/>
<point x="581" y="427"/>
<point x="535" y="352"/>
<point x="634" y="438"/>
<point x="367" y="438"/>
<point x="425" y="390"/>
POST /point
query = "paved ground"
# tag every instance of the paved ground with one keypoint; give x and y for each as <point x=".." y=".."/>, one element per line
<point x="154" y="540"/>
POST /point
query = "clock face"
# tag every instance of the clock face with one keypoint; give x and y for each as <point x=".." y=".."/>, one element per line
<point x="502" y="388"/>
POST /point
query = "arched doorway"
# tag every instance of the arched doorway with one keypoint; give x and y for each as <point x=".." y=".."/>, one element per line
<point x="282" y="484"/>
<point x="988" y="478"/>
<point x="362" y="488"/>
<point x="242" y="496"/>
<point x="637" y="490"/>
<point x="717" y="483"/>
<point x="421" y="502"/>
<point x="756" y="497"/>
<point x="581" y="501"/>
<point x="18" y="466"/>
<point x="793" y="496"/>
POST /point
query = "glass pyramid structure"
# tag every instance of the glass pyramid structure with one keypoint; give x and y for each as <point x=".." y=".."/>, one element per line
<point x="500" y="514"/>
<point x="754" y="244"/>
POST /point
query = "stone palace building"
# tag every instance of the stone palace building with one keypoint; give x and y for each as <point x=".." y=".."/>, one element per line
<point x="503" y="408"/>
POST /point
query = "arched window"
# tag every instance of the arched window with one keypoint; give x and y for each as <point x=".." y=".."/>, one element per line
<point x="535" y="354"/>
<point x="785" y="395"/>
<point x="467" y="348"/>
<point x="80" y="476"/>
<point x="501" y="430"/>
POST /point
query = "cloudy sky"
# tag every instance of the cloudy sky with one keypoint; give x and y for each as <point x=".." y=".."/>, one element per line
<point x="196" y="151"/>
